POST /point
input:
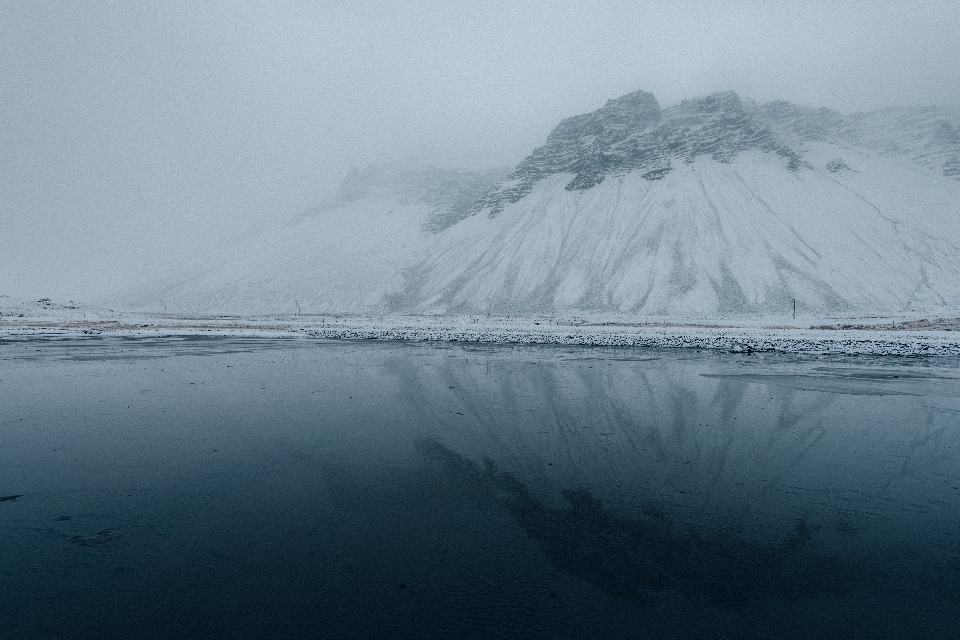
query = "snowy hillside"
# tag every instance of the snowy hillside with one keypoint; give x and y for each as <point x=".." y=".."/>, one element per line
<point x="715" y="207"/>
<point x="711" y="238"/>
<point x="346" y="256"/>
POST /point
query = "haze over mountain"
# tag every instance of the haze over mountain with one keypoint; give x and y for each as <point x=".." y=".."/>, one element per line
<point x="716" y="206"/>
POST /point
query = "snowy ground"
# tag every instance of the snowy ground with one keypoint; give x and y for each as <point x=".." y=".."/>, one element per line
<point x="863" y="336"/>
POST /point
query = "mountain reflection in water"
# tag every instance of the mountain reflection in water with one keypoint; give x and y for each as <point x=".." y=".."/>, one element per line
<point x="635" y="559"/>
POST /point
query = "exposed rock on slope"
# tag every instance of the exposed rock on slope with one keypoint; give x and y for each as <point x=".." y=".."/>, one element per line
<point x="928" y="135"/>
<point x="633" y="134"/>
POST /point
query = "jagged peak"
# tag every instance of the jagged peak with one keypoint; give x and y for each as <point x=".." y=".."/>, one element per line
<point x="617" y="117"/>
<point x="638" y="97"/>
<point x="721" y="101"/>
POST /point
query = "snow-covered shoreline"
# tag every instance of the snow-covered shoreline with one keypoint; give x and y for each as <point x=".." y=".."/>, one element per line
<point x="747" y="336"/>
<point x="851" y="342"/>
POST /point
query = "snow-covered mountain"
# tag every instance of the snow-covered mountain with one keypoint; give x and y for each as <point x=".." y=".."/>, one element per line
<point x="713" y="207"/>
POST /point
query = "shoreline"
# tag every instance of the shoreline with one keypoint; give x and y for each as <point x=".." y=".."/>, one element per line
<point x="844" y="339"/>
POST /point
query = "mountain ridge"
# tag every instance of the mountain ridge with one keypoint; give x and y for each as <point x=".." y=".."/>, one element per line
<point x="715" y="206"/>
<point x="632" y="133"/>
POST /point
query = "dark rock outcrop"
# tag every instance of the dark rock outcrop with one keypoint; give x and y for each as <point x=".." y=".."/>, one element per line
<point x="838" y="165"/>
<point x="632" y="133"/>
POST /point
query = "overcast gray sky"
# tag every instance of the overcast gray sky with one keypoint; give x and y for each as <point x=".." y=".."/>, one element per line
<point x="134" y="132"/>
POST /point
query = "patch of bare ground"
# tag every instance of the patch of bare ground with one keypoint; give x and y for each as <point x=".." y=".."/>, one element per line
<point x="665" y="325"/>
<point x="97" y="326"/>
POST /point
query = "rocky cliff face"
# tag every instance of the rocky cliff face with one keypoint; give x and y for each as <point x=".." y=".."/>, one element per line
<point x="632" y="133"/>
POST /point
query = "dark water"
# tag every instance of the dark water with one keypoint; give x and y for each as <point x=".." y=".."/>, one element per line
<point x="257" y="488"/>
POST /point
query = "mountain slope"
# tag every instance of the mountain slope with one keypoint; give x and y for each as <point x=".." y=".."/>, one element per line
<point x="713" y="208"/>
<point x="709" y="239"/>
<point x="347" y="256"/>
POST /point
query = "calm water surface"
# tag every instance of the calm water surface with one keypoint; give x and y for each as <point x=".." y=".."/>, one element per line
<point x="265" y="488"/>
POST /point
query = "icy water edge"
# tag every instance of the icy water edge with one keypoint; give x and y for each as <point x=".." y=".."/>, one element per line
<point x="287" y="488"/>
